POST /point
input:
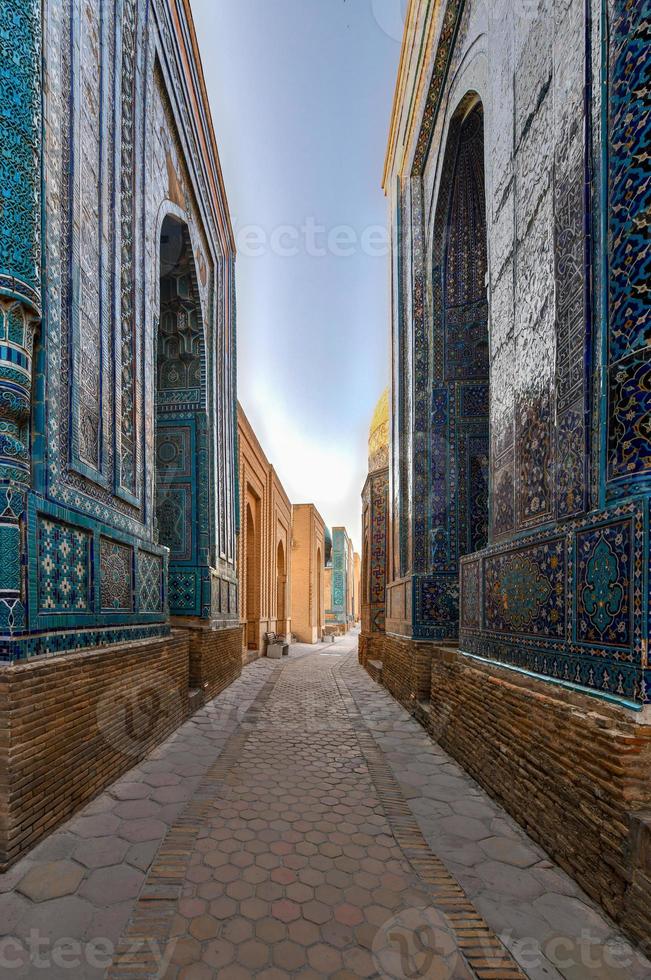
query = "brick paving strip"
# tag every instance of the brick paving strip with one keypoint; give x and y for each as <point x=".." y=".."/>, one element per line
<point x="298" y="854"/>
<point x="151" y="924"/>
<point x="485" y="953"/>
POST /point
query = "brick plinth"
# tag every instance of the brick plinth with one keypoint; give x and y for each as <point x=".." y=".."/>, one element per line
<point x="406" y="669"/>
<point x="215" y="658"/>
<point x="371" y="647"/>
<point x="574" y="771"/>
<point x="71" y="724"/>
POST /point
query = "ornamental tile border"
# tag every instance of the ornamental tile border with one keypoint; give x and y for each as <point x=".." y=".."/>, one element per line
<point x="601" y="597"/>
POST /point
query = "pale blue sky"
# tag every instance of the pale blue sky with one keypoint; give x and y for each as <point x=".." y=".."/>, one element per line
<point x="301" y="94"/>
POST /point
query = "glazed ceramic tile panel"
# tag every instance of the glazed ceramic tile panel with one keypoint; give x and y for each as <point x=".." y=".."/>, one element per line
<point x="116" y="149"/>
<point x="557" y="484"/>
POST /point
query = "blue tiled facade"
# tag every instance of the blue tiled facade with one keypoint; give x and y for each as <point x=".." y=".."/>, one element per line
<point x="117" y="393"/>
<point x="337" y="603"/>
<point x="521" y="445"/>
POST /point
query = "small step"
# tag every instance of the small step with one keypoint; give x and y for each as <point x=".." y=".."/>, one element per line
<point x="374" y="668"/>
<point x="422" y="711"/>
<point x="196" y="699"/>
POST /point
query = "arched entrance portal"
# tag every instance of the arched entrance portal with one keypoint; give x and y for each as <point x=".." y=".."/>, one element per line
<point x="181" y="422"/>
<point x="465" y="324"/>
<point x="281" y="590"/>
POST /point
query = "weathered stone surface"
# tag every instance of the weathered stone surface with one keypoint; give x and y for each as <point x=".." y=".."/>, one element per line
<point x="51" y="880"/>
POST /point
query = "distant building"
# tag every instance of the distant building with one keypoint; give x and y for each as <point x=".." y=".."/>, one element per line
<point x="308" y="573"/>
<point x="339" y="583"/>
<point x="264" y="545"/>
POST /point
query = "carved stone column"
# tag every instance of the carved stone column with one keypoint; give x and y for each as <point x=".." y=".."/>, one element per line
<point x="20" y="281"/>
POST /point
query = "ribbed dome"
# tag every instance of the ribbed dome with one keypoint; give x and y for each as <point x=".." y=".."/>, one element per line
<point x="378" y="434"/>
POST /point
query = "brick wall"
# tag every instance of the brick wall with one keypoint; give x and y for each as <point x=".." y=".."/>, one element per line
<point x="72" y="724"/>
<point x="406" y="668"/>
<point x="215" y="658"/>
<point x="308" y="551"/>
<point x="573" y="771"/>
<point x="371" y="647"/>
<point x="263" y="497"/>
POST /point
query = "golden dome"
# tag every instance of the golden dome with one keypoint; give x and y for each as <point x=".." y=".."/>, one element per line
<point x="378" y="434"/>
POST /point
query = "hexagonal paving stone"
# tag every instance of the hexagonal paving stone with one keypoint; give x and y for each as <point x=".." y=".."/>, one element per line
<point x="508" y="851"/>
<point x="270" y="930"/>
<point x="316" y="912"/>
<point x="51" y="880"/>
<point x="218" y="954"/>
<point x="138" y="831"/>
<point x="253" y="954"/>
<point x="101" y="825"/>
<point x="203" y="927"/>
<point x="289" y="956"/>
<point x="107" y="886"/>
<point x="69" y="917"/>
<point x="101" y="852"/>
<point x="130" y="791"/>
<point x="285" y="910"/>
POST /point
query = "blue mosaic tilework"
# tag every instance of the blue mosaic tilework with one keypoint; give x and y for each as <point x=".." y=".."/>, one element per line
<point x="604" y="573"/>
<point x="87" y="558"/>
<point x="150" y="582"/>
<point x="629" y="231"/>
<point x="570" y="600"/>
<point x="183" y="592"/>
<point x="436" y="606"/>
<point x="524" y="591"/>
<point x="102" y="562"/>
<point x="20" y="126"/>
<point x="95" y="415"/>
<point x="53" y="642"/>
<point x="570" y="603"/>
<point x="375" y="512"/>
<point x="338" y="604"/>
<point x="450" y="363"/>
<point x="64" y="568"/>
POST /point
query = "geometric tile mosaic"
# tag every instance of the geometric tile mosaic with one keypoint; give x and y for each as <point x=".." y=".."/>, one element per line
<point x="150" y="582"/>
<point x="64" y="568"/>
<point x="182" y="590"/>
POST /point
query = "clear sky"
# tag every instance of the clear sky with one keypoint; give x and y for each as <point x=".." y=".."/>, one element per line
<point x="301" y="94"/>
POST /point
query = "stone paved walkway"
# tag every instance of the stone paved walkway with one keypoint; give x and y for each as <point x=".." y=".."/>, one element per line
<point x="295" y="814"/>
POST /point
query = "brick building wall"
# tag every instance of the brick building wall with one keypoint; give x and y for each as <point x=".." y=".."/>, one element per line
<point x="72" y="724"/>
<point x="264" y="546"/>
<point x="574" y="773"/>
<point x="308" y="573"/>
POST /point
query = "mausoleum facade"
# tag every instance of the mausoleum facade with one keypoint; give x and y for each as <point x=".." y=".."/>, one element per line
<point x="520" y="472"/>
<point x="117" y="349"/>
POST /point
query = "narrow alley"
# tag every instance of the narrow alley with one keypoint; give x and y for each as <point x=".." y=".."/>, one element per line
<point x="301" y="825"/>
